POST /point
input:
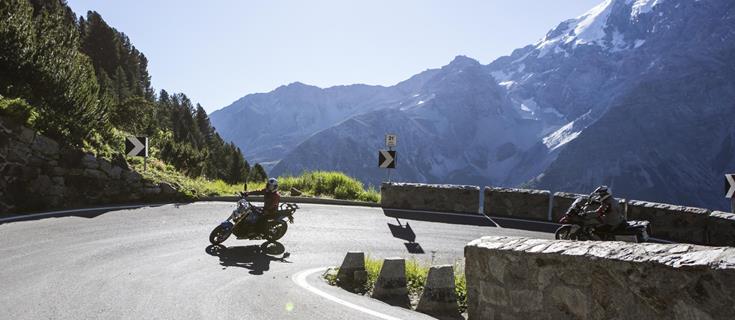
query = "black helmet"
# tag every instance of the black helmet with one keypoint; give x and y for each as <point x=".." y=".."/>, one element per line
<point x="603" y="192"/>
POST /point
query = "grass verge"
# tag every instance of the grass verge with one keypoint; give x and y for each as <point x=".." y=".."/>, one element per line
<point x="325" y="184"/>
<point x="416" y="273"/>
<point x="331" y="184"/>
<point x="158" y="172"/>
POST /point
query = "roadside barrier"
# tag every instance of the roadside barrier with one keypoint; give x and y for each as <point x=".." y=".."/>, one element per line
<point x="391" y="284"/>
<point x="352" y="274"/>
<point x="439" y="298"/>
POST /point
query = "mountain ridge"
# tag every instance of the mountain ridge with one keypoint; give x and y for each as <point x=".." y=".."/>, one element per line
<point x="524" y="118"/>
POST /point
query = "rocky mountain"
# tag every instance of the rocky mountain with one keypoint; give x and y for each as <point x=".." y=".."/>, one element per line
<point x="636" y="94"/>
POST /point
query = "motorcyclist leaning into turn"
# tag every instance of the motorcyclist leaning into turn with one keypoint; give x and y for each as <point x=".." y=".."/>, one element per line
<point x="607" y="216"/>
<point x="270" y="201"/>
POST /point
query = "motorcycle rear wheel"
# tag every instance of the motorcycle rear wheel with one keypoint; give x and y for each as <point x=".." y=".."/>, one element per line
<point x="219" y="235"/>
<point x="276" y="230"/>
<point x="565" y="233"/>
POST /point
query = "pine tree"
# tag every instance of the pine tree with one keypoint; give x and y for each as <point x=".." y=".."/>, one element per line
<point x="257" y="174"/>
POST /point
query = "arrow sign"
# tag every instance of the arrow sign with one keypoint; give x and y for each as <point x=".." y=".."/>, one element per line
<point x="136" y="146"/>
<point x="387" y="159"/>
<point x="729" y="185"/>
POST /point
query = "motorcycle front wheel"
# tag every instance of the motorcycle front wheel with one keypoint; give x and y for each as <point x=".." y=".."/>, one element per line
<point x="276" y="230"/>
<point x="565" y="233"/>
<point x="219" y="235"/>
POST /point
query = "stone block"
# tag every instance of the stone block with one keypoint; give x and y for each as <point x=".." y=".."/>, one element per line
<point x="89" y="161"/>
<point x="391" y="284"/>
<point x="131" y="176"/>
<point x="104" y="166"/>
<point x="41" y="184"/>
<point x="671" y="222"/>
<point x="439" y="298"/>
<point x="115" y="172"/>
<point x="517" y="203"/>
<point x="26" y="135"/>
<point x="94" y="174"/>
<point x="721" y="229"/>
<point x="353" y="262"/>
<point x="151" y="190"/>
<point x="646" y="280"/>
<point x="45" y="146"/>
<point x="166" y="188"/>
<point x="431" y="197"/>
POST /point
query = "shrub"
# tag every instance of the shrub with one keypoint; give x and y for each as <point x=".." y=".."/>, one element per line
<point x="19" y="110"/>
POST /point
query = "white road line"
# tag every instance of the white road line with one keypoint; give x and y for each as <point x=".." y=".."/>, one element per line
<point x="300" y="279"/>
<point x="53" y="213"/>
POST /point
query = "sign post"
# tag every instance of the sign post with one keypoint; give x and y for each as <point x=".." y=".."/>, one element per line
<point x="730" y="190"/>
<point x="387" y="158"/>
<point x="137" y="147"/>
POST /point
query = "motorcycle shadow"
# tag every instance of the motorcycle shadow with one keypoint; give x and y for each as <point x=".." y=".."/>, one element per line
<point x="256" y="258"/>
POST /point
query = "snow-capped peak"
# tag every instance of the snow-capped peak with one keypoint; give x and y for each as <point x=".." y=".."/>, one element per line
<point x="588" y="28"/>
<point x="595" y="28"/>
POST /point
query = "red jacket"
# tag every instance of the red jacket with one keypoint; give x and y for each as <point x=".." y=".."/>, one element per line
<point x="271" y="200"/>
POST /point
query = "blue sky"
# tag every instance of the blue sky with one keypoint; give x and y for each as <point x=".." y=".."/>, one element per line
<point x="220" y="50"/>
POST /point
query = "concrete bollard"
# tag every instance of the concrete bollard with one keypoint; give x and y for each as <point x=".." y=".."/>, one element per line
<point x="352" y="274"/>
<point x="391" y="284"/>
<point x="439" y="299"/>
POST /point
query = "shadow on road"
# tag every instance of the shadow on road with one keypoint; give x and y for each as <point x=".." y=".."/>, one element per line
<point x="453" y="218"/>
<point x="81" y="213"/>
<point x="256" y="258"/>
<point x="404" y="232"/>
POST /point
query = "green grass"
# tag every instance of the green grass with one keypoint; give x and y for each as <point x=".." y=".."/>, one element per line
<point x="158" y="171"/>
<point x="318" y="184"/>
<point x="329" y="184"/>
<point x="416" y="273"/>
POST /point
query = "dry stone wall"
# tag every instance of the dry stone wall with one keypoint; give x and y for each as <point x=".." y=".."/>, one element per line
<point x="36" y="173"/>
<point x="434" y="197"/>
<point x="672" y="222"/>
<point x="522" y="278"/>
<point x="517" y="203"/>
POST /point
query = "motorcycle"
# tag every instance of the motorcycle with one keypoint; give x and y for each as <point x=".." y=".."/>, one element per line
<point x="244" y="223"/>
<point x="574" y="227"/>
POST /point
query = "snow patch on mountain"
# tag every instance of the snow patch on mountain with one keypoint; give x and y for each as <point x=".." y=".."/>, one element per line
<point x="640" y="7"/>
<point x="561" y="137"/>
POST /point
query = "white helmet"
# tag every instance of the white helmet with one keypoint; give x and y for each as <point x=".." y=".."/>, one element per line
<point x="272" y="185"/>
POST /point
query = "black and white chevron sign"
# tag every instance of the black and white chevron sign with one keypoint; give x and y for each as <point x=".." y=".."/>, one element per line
<point x="730" y="185"/>
<point x="136" y="146"/>
<point x="387" y="159"/>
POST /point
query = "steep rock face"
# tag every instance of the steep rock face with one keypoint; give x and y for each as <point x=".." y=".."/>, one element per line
<point x="667" y="137"/>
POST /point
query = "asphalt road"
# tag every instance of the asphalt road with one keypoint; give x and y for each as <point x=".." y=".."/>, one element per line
<point x="154" y="263"/>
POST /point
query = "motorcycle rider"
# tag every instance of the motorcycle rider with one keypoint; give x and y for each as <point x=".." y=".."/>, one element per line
<point x="270" y="201"/>
<point x="608" y="215"/>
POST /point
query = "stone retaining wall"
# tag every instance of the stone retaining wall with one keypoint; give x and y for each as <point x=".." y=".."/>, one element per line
<point x="677" y="223"/>
<point x="522" y="278"/>
<point x="433" y="197"/>
<point x="517" y="203"/>
<point x="36" y="173"/>
<point x="721" y="229"/>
